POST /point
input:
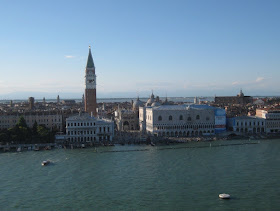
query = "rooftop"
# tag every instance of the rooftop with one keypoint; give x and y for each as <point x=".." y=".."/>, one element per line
<point x="86" y="117"/>
<point x="247" y="117"/>
<point x="182" y="107"/>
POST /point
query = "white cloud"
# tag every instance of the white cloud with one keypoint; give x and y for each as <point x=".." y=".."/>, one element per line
<point x="69" y="56"/>
<point x="235" y="83"/>
<point x="259" y="79"/>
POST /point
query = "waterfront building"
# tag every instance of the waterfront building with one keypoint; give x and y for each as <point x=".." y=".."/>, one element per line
<point x="247" y="124"/>
<point x="52" y="120"/>
<point x="90" y="86"/>
<point x="272" y="117"/>
<point x="87" y="128"/>
<point x="182" y="120"/>
<point x="230" y="100"/>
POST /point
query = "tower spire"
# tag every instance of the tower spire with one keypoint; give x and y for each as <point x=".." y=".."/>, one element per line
<point x="90" y="63"/>
<point x="90" y="86"/>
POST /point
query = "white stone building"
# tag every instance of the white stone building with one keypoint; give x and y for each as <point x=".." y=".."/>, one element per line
<point x="86" y="128"/>
<point x="272" y="117"/>
<point x="181" y="120"/>
<point x="247" y="124"/>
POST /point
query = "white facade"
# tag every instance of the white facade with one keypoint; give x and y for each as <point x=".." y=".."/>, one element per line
<point x="85" y="128"/>
<point x="177" y="120"/>
<point x="247" y="124"/>
<point x="272" y="117"/>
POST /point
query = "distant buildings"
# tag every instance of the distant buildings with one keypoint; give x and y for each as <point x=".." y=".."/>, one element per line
<point x="52" y="120"/>
<point x="230" y="100"/>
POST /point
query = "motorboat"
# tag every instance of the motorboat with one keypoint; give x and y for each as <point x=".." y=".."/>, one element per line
<point x="224" y="196"/>
<point x="46" y="162"/>
<point x="36" y="148"/>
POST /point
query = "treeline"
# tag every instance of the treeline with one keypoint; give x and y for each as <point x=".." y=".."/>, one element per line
<point x="22" y="134"/>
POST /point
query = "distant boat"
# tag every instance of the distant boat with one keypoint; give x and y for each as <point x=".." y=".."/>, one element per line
<point x="36" y="148"/>
<point x="46" y="162"/>
<point x="224" y="196"/>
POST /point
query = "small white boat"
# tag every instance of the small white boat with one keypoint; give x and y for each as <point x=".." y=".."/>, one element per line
<point x="46" y="162"/>
<point x="224" y="196"/>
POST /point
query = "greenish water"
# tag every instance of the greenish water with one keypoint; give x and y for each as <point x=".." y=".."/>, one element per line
<point x="155" y="179"/>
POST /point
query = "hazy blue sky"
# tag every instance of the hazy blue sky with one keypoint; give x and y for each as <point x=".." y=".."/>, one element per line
<point x="178" y="48"/>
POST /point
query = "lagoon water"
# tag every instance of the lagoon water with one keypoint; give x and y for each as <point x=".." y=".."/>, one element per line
<point x="175" y="177"/>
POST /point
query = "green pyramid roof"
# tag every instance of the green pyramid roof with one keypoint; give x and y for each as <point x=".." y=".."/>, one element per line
<point x="90" y="63"/>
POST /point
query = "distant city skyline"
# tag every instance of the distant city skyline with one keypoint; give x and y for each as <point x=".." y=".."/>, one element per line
<point x="175" y="48"/>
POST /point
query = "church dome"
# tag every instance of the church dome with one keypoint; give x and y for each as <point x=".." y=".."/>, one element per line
<point x="150" y="100"/>
<point x="137" y="104"/>
<point x="156" y="104"/>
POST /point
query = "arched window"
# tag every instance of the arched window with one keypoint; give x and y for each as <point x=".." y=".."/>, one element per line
<point x="170" y="118"/>
<point x="189" y="119"/>
<point x="197" y="117"/>
<point x="159" y="118"/>
<point x="181" y="117"/>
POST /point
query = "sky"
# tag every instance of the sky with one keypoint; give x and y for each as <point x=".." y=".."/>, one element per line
<point x="179" y="48"/>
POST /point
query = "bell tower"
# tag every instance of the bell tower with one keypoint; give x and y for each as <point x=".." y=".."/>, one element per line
<point x="90" y="86"/>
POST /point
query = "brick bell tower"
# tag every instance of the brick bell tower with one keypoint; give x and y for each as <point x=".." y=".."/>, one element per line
<point x="90" y="86"/>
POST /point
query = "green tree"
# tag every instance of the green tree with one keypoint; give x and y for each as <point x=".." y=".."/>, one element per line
<point x="34" y="128"/>
<point x="22" y="122"/>
<point x="43" y="133"/>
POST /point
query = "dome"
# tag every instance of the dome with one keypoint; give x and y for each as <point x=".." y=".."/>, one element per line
<point x="137" y="103"/>
<point x="150" y="100"/>
<point x="156" y="104"/>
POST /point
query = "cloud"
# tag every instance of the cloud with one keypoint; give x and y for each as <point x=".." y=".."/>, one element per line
<point x="235" y="83"/>
<point x="259" y="79"/>
<point x="69" y="56"/>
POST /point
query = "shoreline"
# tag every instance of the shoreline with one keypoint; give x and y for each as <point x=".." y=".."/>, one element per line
<point x="154" y="141"/>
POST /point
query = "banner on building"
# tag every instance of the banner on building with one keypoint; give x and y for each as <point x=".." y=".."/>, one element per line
<point x="220" y="120"/>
